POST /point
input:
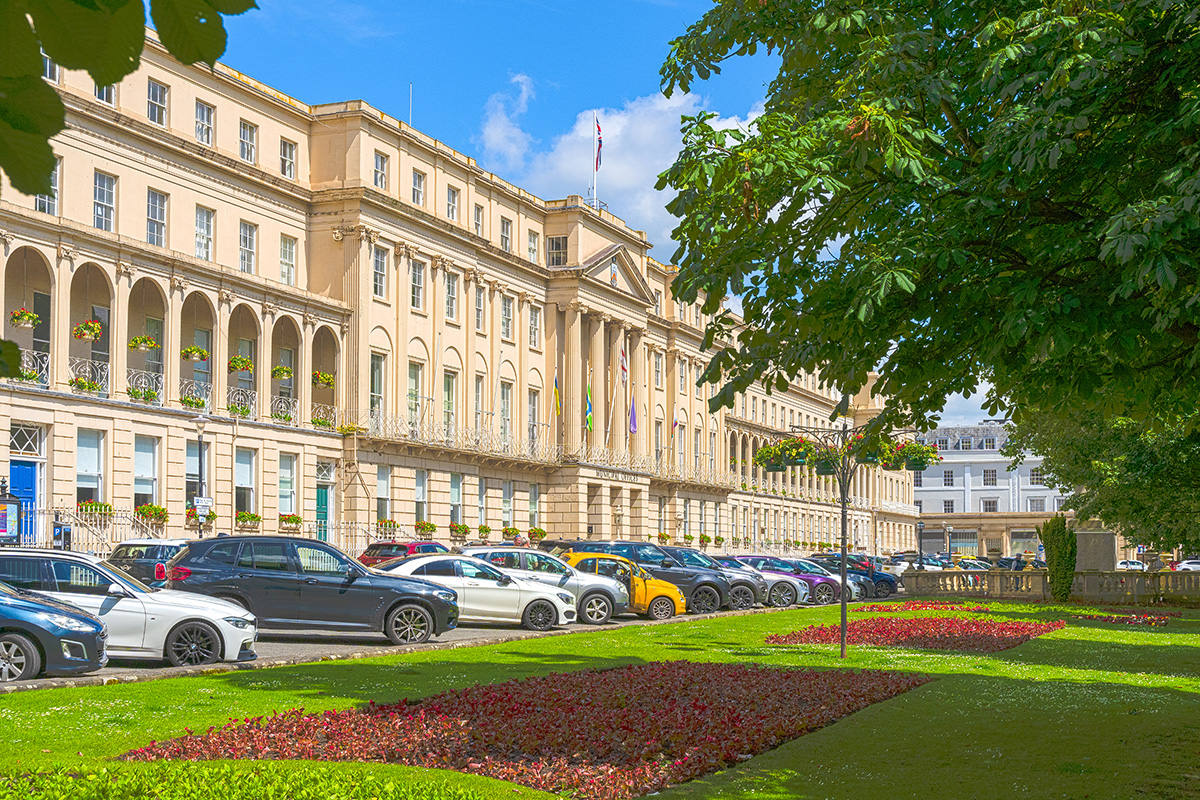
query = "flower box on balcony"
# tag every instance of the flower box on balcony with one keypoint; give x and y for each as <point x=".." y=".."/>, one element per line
<point x="240" y="364"/>
<point x="94" y="508"/>
<point x="537" y="534"/>
<point x="282" y="416"/>
<point x="144" y="395"/>
<point x="351" y="430"/>
<point x="192" y="402"/>
<point x="88" y="331"/>
<point x="23" y="318"/>
<point x="324" y="424"/>
<point x="290" y="520"/>
<point x="239" y="411"/>
<point x="143" y="344"/>
<point x="280" y="372"/>
<point x="152" y="514"/>
<point x="194" y="354"/>
<point x="425" y="528"/>
<point x="484" y="532"/>
<point x="322" y="380"/>
<point x="26" y="375"/>
<point x="247" y="519"/>
<point x="191" y="517"/>
<point x="387" y="525"/>
<point x="84" y="385"/>
<point x="663" y="538"/>
<point x="509" y="532"/>
<point x="459" y="531"/>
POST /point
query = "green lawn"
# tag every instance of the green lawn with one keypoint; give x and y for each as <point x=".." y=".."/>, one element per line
<point x="1092" y="710"/>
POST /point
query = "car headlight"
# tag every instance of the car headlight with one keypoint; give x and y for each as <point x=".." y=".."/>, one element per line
<point x="446" y="596"/>
<point x="240" y="622"/>
<point x="566" y="598"/>
<point x="69" y="623"/>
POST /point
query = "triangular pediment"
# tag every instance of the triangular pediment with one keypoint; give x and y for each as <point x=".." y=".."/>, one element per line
<point x="616" y="269"/>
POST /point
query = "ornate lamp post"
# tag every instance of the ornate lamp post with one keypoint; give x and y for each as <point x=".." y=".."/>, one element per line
<point x="920" y="547"/>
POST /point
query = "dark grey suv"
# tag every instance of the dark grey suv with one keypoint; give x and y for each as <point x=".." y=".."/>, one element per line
<point x="300" y="583"/>
<point x="706" y="590"/>
<point x="747" y="586"/>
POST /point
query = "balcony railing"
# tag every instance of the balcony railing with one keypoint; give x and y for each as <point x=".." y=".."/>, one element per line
<point x="196" y="394"/>
<point x="97" y="534"/>
<point x="324" y="417"/>
<point x="93" y="373"/>
<point x="285" y="410"/>
<point x="144" y="386"/>
<point x="242" y="403"/>
<point x="37" y="365"/>
<point x="418" y="427"/>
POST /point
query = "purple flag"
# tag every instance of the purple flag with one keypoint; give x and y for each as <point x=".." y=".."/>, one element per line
<point x="633" y="417"/>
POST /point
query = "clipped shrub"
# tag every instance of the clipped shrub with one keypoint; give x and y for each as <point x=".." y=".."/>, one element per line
<point x="1061" y="549"/>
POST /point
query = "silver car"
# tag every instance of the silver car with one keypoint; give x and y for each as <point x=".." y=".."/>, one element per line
<point x="598" y="598"/>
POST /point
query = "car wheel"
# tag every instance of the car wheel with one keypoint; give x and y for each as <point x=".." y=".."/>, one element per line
<point x="823" y="594"/>
<point x="595" y="609"/>
<point x="884" y="589"/>
<point x="409" y="624"/>
<point x="192" y="644"/>
<point x="705" y="600"/>
<point x="741" y="598"/>
<point x="661" y="608"/>
<point x="782" y="595"/>
<point x="539" y="615"/>
<point x="19" y="658"/>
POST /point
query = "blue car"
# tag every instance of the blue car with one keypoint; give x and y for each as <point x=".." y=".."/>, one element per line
<point x="885" y="583"/>
<point x="43" y="636"/>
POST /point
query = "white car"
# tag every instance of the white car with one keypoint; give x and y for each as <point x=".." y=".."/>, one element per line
<point x="485" y="594"/>
<point x="184" y="628"/>
<point x="1191" y="565"/>
<point x="1132" y="565"/>
<point x="598" y="597"/>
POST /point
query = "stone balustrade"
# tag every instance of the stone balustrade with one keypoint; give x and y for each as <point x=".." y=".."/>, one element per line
<point x="1108" y="587"/>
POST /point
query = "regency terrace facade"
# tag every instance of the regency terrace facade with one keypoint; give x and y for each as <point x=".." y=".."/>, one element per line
<point x="406" y="315"/>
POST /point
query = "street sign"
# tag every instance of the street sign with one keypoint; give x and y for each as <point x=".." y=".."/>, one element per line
<point x="203" y="504"/>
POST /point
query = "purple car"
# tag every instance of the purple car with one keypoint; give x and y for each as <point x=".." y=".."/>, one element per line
<point x="821" y="589"/>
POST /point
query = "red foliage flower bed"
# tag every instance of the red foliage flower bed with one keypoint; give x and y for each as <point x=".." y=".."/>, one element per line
<point x="1126" y="619"/>
<point x="610" y="734"/>
<point x="928" y="633"/>
<point x="918" y="605"/>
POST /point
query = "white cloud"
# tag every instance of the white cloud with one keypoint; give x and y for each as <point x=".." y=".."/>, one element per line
<point x="961" y="410"/>
<point x="641" y="139"/>
<point x="504" y="142"/>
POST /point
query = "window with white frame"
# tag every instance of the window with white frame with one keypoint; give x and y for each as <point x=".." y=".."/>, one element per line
<point x="421" y="495"/>
<point x="383" y="492"/>
<point x="415" y="381"/>
<point x="754" y="409"/>
<point x="375" y="381"/>
<point x="658" y="369"/>
<point x="89" y="466"/>
<point x="533" y="246"/>
<point x="449" y="399"/>
<point x="534" y="409"/>
<point x="451" y="204"/>
<point x="248" y="141"/>
<point x="287" y="159"/>
<point x="247" y="246"/>
<point x="106" y="94"/>
<point x="418" y="188"/>
<point x="481" y="501"/>
<point x="682" y="444"/>
<point x="50" y="70"/>
<point x="989" y="477"/>
<point x="506" y="234"/>
<point x="965" y="443"/>
<point x="451" y="296"/>
<point x="918" y="478"/>
<point x="506" y="398"/>
<point x="244" y="480"/>
<point x="535" y="496"/>
<point x="556" y="250"/>
<point x="1037" y="504"/>
<point x="479" y="220"/>
<point x="535" y="327"/>
<point x="683" y="371"/>
<point x="156" y="218"/>
<point x="506" y="317"/>
<point x="917" y="503"/>
<point x="1059" y="502"/>
<point x="417" y="294"/>
<point x="657" y="303"/>
<point x="204" y="233"/>
<point x="947" y="477"/>
<point x="205" y="118"/>
<point x="658" y="431"/>
<point x="156" y="103"/>
<point x="712" y="451"/>
<point x="456" y="484"/>
<point x="506" y="504"/>
<point x="989" y="443"/>
<point x="696" y="453"/>
<point x="379" y="270"/>
<point x="48" y="203"/>
<point x="947" y="506"/>
<point x="480" y="305"/>
<point x="191" y="471"/>
<point x="380" y="174"/>
<point x="287" y="259"/>
<point x="145" y="470"/>
<point x="942" y="444"/>
<point x="104" y="205"/>
<point x="1036" y="478"/>
<point x="989" y="505"/>
<point x="479" y="382"/>
<point x="287" y="483"/>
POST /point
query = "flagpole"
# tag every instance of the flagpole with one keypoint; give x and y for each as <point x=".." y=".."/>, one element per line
<point x="595" y="198"/>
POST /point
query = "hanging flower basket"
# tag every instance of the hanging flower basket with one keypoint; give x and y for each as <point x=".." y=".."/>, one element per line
<point x="537" y="534"/>
<point x="826" y="468"/>
<point x="280" y="372"/>
<point x="191" y="517"/>
<point x="23" y="318"/>
<point x="194" y="354"/>
<point x="143" y="344"/>
<point x="247" y="519"/>
<point x="510" y="532"/>
<point x="291" y="520"/>
<point x="88" y="331"/>
<point x="425" y="528"/>
<point x="459" y="531"/>
<point x="663" y="538"/>
<point x="484" y="532"/>
<point x="150" y="513"/>
<point x="240" y="364"/>
<point x="322" y="379"/>
<point x="915" y="456"/>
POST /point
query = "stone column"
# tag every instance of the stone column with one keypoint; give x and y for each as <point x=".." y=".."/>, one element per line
<point x="614" y="435"/>
<point x="266" y="360"/>
<point x="637" y="377"/>
<point x="304" y="369"/>
<point x="220" y="357"/>
<point x="596" y="368"/>
<point x="572" y="385"/>
<point x="118" y="331"/>
<point x="173" y="339"/>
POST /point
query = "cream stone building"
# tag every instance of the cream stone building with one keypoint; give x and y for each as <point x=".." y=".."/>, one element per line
<point x="466" y="327"/>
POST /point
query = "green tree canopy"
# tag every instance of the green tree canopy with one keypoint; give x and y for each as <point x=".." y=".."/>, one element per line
<point x="1141" y="478"/>
<point x="948" y="192"/>
<point x="104" y="37"/>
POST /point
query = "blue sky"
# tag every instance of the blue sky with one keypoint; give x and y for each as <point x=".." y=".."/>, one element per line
<point x="514" y="83"/>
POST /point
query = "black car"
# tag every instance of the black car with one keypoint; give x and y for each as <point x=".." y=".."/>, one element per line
<point x="301" y="584"/>
<point x="706" y="590"/>
<point x="146" y="559"/>
<point x="747" y="586"/>
<point x="885" y="583"/>
<point x="41" y="635"/>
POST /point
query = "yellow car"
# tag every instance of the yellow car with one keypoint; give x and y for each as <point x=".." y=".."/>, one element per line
<point x="648" y="595"/>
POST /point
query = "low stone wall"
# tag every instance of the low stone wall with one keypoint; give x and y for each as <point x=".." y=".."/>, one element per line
<point x="1110" y="587"/>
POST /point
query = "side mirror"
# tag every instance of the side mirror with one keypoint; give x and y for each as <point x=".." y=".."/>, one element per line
<point x="117" y="590"/>
<point x="667" y="563"/>
<point x="505" y="580"/>
<point x="353" y="572"/>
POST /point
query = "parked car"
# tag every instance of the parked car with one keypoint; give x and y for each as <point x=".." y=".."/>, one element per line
<point x="378" y="552"/>
<point x="648" y="595"/>
<point x="146" y="559"/>
<point x="1131" y="564"/>
<point x="707" y="590"/>
<point x="860" y="586"/>
<point x="300" y="584"/>
<point x="43" y="636"/>
<point x="747" y="586"/>
<point x="597" y="597"/>
<point x="143" y="623"/>
<point x="485" y="594"/>
<point x="782" y="590"/>
<point x="821" y="589"/>
<point x="884" y="584"/>
<point x="1191" y="565"/>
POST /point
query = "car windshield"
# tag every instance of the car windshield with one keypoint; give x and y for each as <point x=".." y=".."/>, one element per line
<point x="810" y="568"/>
<point x="127" y="579"/>
<point x="775" y="564"/>
<point x="9" y="590"/>
<point x="693" y="559"/>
